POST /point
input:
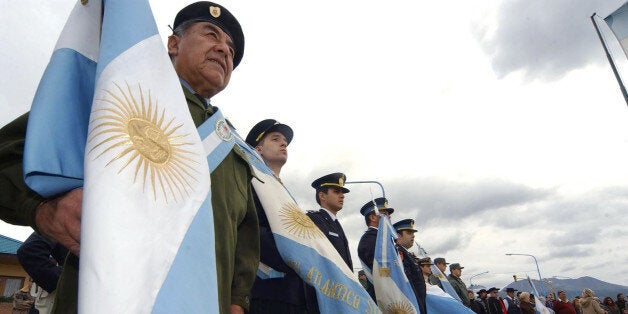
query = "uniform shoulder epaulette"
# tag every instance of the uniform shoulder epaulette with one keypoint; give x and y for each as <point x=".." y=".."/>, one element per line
<point x="312" y="211"/>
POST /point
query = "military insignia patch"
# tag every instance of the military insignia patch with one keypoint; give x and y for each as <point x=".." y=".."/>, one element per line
<point x="214" y="11"/>
<point x="223" y="131"/>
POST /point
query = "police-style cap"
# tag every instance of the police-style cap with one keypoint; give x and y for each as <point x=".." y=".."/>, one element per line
<point x="425" y="261"/>
<point x="440" y="260"/>
<point x="492" y="289"/>
<point x="509" y="289"/>
<point x="205" y="11"/>
<point x="406" y="224"/>
<point x="481" y="291"/>
<point x="380" y="204"/>
<point x="331" y="180"/>
<point x="455" y="266"/>
<point x="264" y="127"/>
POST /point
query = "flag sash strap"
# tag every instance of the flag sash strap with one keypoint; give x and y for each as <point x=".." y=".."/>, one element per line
<point x="445" y="282"/>
<point x="303" y="246"/>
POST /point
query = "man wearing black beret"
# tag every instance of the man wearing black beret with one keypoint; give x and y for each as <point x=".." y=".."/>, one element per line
<point x="206" y="45"/>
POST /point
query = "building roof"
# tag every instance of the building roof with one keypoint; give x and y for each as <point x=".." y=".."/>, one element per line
<point x="8" y="245"/>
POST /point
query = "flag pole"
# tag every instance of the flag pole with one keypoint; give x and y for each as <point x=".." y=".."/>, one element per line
<point x="610" y="59"/>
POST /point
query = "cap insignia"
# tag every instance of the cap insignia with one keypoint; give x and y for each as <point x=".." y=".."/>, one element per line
<point x="214" y="11"/>
<point x="341" y="181"/>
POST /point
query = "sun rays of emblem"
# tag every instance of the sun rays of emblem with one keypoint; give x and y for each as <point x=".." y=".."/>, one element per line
<point x="399" y="307"/>
<point x="131" y="129"/>
<point x="298" y="223"/>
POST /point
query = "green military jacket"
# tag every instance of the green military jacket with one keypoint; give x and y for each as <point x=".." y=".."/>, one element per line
<point x="235" y="216"/>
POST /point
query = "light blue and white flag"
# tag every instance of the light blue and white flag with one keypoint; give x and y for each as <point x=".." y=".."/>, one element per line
<point x="57" y="124"/>
<point x="618" y="22"/>
<point x="392" y="288"/>
<point x="445" y="282"/>
<point x="305" y="248"/>
<point x="147" y="242"/>
<point x="439" y="301"/>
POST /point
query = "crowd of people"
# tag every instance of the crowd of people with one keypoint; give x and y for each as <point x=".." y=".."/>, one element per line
<point x="489" y="302"/>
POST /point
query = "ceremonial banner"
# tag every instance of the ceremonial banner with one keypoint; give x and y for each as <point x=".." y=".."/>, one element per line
<point x="440" y="302"/>
<point x="147" y="242"/>
<point x="446" y="284"/>
<point x="618" y="22"/>
<point x="305" y="248"/>
<point x="392" y="288"/>
<point x="57" y="123"/>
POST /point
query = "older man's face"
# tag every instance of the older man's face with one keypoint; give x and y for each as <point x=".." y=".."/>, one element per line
<point x="203" y="57"/>
<point x="562" y="295"/>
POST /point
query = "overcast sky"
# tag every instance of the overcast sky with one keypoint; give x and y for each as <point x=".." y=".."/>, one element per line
<point x="497" y="125"/>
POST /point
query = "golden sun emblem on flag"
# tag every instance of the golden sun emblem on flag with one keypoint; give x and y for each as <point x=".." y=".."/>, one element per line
<point x="399" y="307"/>
<point x="298" y="223"/>
<point x="136" y="132"/>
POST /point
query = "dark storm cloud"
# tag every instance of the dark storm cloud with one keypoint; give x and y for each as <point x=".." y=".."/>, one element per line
<point x="544" y="39"/>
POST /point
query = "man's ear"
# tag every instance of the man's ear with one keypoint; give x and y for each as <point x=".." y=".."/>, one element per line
<point x="258" y="149"/>
<point x="173" y="45"/>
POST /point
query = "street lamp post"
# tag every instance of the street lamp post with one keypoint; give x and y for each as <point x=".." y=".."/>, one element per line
<point x="482" y="273"/>
<point x="537" y="269"/>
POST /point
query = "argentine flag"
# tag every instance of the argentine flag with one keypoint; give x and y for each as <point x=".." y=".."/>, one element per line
<point x="305" y="248"/>
<point x="439" y="301"/>
<point x="110" y="103"/>
<point x="618" y="22"/>
<point x="392" y="288"/>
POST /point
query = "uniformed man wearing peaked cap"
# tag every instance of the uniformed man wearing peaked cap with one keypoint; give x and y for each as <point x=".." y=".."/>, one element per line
<point x="330" y="195"/>
<point x="405" y="233"/>
<point x="366" y="247"/>
<point x="280" y="290"/>
<point x="266" y="127"/>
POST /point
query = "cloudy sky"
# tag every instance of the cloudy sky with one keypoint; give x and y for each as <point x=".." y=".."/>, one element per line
<point x="497" y="125"/>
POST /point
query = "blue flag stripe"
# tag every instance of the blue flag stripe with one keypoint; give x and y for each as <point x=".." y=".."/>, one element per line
<point x="55" y="143"/>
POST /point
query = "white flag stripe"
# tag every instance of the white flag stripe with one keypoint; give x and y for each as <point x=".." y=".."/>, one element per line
<point x="148" y="206"/>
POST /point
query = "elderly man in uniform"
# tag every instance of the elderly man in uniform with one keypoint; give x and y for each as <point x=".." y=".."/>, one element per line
<point x="281" y="290"/>
<point x="405" y="232"/>
<point x="455" y="270"/>
<point x="206" y="45"/>
<point x="371" y="211"/>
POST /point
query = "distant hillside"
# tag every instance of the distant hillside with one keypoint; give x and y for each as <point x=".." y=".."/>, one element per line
<point x="572" y="287"/>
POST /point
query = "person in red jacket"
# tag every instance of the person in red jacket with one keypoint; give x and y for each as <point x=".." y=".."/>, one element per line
<point x="562" y="305"/>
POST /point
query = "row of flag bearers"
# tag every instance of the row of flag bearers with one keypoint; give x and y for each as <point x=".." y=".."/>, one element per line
<point x="142" y="142"/>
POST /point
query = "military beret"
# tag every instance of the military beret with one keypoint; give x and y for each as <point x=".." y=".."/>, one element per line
<point x="264" y="127"/>
<point x="331" y="180"/>
<point x="205" y="11"/>
<point x="381" y="204"/>
<point x="406" y="224"/>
